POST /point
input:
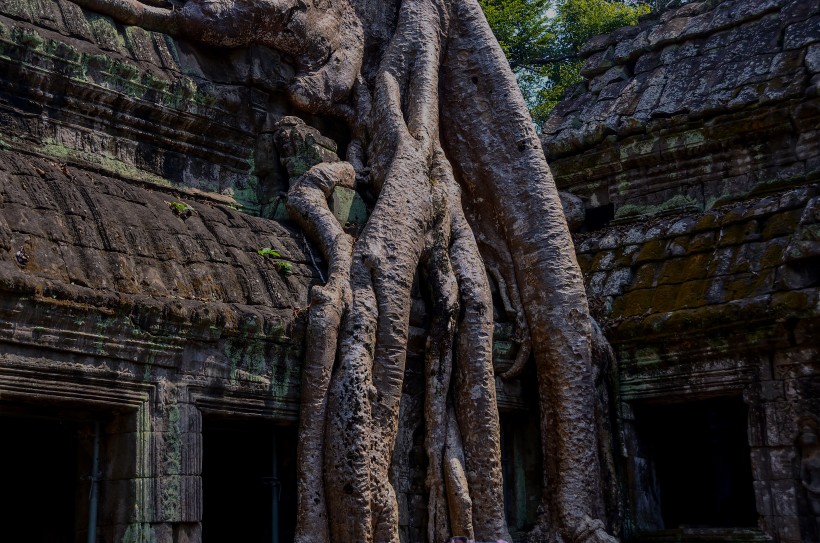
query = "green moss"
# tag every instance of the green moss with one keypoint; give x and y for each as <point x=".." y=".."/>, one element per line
<point x="171" y="485"/>
<point x="633" y="303"/>
<point x="781" y="224"/>
<point x="679" y="201"/>
<point x="30" y="39"/>
<point x="139" y="532"/>
<point x="644" y="277"/>
<point x="105" y="30"/>
<point x="107" y="164"/>
<point x="790" y="302"/>
<point x="654" y="249"/>
<point x="692" y="294"/>
<point x="246" y="355"/>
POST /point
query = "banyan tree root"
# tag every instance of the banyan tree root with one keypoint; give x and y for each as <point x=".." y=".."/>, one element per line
<point x="442" y="137"/>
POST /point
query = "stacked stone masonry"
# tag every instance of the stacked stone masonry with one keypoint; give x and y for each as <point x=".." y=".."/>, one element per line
<point x="714" y="101"/>
<point x="694" y="145"/>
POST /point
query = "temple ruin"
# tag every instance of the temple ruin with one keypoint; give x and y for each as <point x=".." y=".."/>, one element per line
<point x="155" y="293"/>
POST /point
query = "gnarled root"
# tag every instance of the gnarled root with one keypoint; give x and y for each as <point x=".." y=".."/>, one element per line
<point x="307" y="205"/>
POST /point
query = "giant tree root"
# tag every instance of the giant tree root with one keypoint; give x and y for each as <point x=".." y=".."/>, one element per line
<point x="444" y="141"/>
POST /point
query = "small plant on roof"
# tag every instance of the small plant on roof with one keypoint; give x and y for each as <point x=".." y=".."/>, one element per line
<point x="267" y="251"/>
<point x="181" y="209"/>
<point x="283" y="266"/>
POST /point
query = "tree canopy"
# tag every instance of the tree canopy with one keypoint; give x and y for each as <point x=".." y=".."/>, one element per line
<point x="541" y="39"/>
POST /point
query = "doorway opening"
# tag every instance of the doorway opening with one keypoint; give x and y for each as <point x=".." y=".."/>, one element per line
<point x="522" y="468"/>
<point x="46" y="477"/>
<point x="700" y="454"/>
<point x="248" y="481"/>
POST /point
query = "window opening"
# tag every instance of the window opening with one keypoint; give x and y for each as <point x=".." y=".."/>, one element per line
<point x="248" y="481"/>
<point x="701" y="458"/>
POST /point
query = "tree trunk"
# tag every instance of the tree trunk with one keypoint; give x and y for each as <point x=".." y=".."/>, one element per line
<point x="443" y="138"/>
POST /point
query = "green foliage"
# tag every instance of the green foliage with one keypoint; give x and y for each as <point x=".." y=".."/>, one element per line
<point x="267" y="251"/>
<point x="181" y="209"/>
<point x="283" y="266"/>
<point x="542" y="38"/>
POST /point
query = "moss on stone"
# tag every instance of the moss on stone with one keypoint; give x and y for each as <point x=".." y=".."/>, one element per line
<point x="139" y="532"/>
<point x="785" y="303"/>
<point x="738" y="233"/>
<point x="633" y="303"/>
<point x="773" y="255"/>
<point x="781" y="224"/>
<point x="677" y="202"/>
<point x="692" y="294"/>
<point x="645" y="276"/>
<point x="654" y="249"/>
<point x="665" y="298"/>
<point x="107" y="164"/>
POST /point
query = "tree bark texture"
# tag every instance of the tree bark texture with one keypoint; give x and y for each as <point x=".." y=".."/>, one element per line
<point x="443" y="138"/>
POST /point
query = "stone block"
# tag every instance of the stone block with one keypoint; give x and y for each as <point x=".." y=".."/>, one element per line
<point x="812" y="59"/>
<point x="596" y="283"/>
<point x="633" y="303"/>
<point x="763" y="498"/>
<point x="798" y="274"/>
<point x="598" y="63"/>
<point x="802" y="33"/>
<point x="605" y="260"/>
<point x="692" y="294"/>
<point x="163" y="532"/>
<point x="652" y="250"/>
<point x="785" y="303"/>
<point x="735" y="234"/>
<point x="749" y="285"/>
<point x="665" y="298"/>
<point x="782" y="462"/>
<point x="119" y="499"/>
<point x="178" y="498"/>
<point x="784" y="497"/>
<point x="722" y="260"/>
<point x="773" y="253"/>
<point x="617" y="281"/>
<point x="672" y="270"/>
<point x="788" y="529"/>
<point x="668" y="33"/>
<point x="625" y="257"/>
<point x="189" y="532"/>
<point x="780" y="424"/>
<point x="645" y="276"/>
<point x="760" y="465"/>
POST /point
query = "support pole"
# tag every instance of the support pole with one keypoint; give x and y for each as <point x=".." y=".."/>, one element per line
<point x="275" y="489"/>
<point x="94" y="494"/>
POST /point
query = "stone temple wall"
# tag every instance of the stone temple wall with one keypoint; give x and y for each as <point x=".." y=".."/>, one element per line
<point x="133" y="293"/>
<point x="694" y="142"/>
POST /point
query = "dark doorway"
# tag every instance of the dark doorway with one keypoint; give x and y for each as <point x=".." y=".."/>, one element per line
<point x="41" y="479"/>
<point x="522" y="468"/>
<point x="248" y="481"/>
<point x="701" y="457"/>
